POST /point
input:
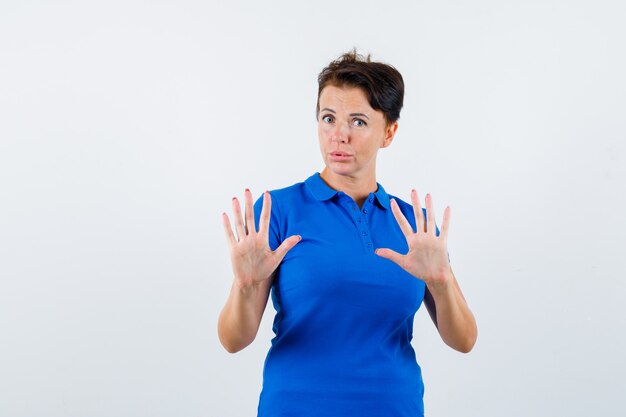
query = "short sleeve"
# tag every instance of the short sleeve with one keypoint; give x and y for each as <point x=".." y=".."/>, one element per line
<point x="274" y="234"/>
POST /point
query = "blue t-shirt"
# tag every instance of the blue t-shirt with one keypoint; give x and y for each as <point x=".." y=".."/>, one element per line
<point x="344" y="316"/>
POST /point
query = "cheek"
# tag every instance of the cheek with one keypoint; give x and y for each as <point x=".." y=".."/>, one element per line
<point x="372" y="146"/>
<point x="321" y="127"/>
<point x="321" y="137"/>
<point x="322" y="132"/>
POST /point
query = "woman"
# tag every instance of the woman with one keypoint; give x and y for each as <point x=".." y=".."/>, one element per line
<point x="347" y="264"/>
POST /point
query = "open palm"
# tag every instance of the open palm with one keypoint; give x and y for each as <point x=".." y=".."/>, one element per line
<point x="251" y="257"/>
<point x="427" y="258"/>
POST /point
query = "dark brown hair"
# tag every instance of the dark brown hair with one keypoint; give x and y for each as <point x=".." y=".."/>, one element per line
<point x="382" y="83"/>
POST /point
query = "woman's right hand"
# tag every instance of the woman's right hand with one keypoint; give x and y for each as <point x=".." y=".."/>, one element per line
<point x="252" y="259"/>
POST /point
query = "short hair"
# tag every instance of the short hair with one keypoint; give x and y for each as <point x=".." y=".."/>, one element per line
<point x="382" y="83"/>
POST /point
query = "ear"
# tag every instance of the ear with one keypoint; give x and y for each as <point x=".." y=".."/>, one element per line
<point x="390" y="132"/>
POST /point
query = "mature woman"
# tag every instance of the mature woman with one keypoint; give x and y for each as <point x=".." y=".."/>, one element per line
<point x="347" y="264"/>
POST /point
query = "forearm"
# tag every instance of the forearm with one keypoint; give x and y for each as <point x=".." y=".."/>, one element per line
<point x="454" y="319"/>
<point x="240" y="318"/>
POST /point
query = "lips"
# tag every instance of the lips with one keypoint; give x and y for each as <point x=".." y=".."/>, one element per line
<point x="339" y="156"/>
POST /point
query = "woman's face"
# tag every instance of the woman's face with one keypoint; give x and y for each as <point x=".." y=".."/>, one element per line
<point x="351" y="132"/>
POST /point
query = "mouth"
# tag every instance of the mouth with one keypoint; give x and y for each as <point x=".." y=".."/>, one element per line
<point x="339" y="156"/>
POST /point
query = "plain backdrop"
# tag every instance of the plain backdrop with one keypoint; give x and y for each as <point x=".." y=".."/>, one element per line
<point x="126" y="127"/>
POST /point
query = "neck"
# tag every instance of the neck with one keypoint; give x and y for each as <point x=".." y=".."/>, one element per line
<point x="356" y="187"/>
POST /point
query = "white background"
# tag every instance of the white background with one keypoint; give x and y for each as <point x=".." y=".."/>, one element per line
<point x="127" y="126"/>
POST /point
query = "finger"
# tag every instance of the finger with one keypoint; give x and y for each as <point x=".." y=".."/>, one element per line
<point x="229" y="231"/>
<point x="430" y="216"/>
<point x="391" y="255"/>
<point x="286" y="246"/>
<point x="249" y="226"/>
<point x="417" y="211"/>
<point x="404" y="224"/>
<point x="238" y="219"/>
<point x="445" y="225"/>
<point x="264" y="218"/>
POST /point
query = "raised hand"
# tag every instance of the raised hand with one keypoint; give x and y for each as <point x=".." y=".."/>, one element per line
<point x="427" y="258"/>
<point x="251" y="257"/>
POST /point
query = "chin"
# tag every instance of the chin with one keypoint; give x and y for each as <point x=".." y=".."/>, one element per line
<point x="343" y="171"/>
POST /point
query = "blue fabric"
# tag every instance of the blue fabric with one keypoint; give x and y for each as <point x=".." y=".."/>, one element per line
<point x="344" y="316"/>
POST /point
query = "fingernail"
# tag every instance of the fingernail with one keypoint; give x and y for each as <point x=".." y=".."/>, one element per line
<point x="247" y="190"/>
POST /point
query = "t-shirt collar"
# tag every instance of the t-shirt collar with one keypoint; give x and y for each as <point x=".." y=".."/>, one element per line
<point x="322" y="192"/>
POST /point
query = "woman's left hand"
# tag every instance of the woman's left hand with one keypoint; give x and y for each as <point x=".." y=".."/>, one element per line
<point x="427" y="258"/>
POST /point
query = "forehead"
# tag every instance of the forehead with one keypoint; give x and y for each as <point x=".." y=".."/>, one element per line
<point x="349" y="98"/>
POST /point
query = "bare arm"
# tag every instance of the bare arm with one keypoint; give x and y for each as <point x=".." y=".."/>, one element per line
<point x="427" y="260"/>
<point x="452" y="317"/>
<point x="254" y="265"/>
<point x="240" y="318"/>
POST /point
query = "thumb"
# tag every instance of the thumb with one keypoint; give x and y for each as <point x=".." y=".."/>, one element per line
<point x="392" y="255"/>
<point x="286" y="246"/>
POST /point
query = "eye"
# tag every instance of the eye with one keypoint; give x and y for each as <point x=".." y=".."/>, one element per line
<point x="328" y="119"/>
<point x="359" y="122"/>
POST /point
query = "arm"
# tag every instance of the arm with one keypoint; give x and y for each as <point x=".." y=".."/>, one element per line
<point x="451" y="315"/>
<point x="254" y="265"/>
<point x="427" y="259"/>
<point x="240" y="318"/>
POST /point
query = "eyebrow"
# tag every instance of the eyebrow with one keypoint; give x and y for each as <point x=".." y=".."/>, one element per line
<point x="351" y="114"/>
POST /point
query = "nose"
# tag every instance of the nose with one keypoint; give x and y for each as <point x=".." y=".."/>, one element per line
<point x="339" y="134"/>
